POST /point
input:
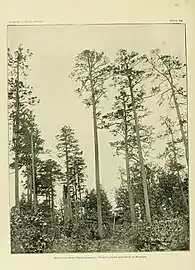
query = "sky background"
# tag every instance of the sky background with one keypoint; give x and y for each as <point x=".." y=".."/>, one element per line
<point x="54" y="49"/>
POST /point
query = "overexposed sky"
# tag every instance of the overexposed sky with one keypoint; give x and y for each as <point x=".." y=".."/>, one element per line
<point x="54" y="49"/>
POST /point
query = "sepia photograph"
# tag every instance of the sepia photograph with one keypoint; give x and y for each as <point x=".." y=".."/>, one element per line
<point x="98" y="138"/>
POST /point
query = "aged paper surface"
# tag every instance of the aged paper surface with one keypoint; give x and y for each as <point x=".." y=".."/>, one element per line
<point x="40" y="13"/>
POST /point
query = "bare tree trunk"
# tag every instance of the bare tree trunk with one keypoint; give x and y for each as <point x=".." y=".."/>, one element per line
<point x="31" y="193"/>
<point x="33" y="176"/>
<point x="65" y="203"/>
<point x="28" y="183"/>
<point x="68" y="186"/>
<point x="97" y="174"/>
<point x="76" y="206"/>
<point x="80" y="198"/>
<point x="180" y="122"/>
<point x="143" y="173"/>
<point x="178" y="174"/>
<point x="52" y="203"/>
<point x="96" y="147"/>
<point x="114" y="222"/>
<point x="69" y="204"/>
<point x="17" y="140"/>
<point x="76" y="197"/>
<point x="129" y="184"/>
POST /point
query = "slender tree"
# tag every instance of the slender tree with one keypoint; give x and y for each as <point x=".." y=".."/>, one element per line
<point x="65" y="145"/>
<point x="31" y="145"/>
<point x="128" y="72"/>
<point x="19" y="95"/>
<point x="118" y="123"/>
<point x="91" y="71"/>
<point x="68" y="149"/>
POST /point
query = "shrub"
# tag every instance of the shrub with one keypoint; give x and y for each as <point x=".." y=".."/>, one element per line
<point x="163" y="235"/>
<point x="33" y="233"/>
<point x="30" y="233"/>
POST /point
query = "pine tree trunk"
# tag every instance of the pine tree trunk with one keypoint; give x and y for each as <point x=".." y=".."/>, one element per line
<point x="114" y="222"/>
<point x="76" y="197"/>
<point x="80" y="198"/>
<point x="99" y="210"/>
<point x="68" y="186"/>
<point x="69" y="204"/>
<point x="178" y="174"/>
<point x="96" y="148"/>
<point x="66" y="206"/>
<point x="76" y="206"/>
<point x="129" y="184"/>
<point x="143" y="173"/>
<point x="180" y="122"/>
<point x="52" y="203"/>
<point x="33" y="176"/>
<point x="28" y="183"/>
<point x="17" y="140"/>
<point x="30" y="191"/>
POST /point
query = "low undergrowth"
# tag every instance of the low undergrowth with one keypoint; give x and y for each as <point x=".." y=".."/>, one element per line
<point x="35" y="234"/>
